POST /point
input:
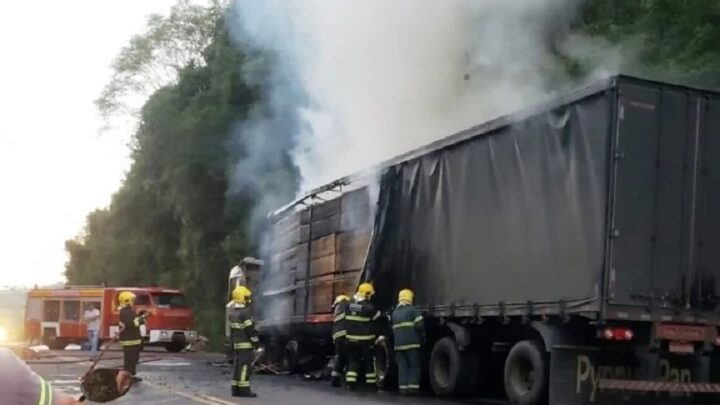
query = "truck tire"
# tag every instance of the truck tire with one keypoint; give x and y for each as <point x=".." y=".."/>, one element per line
<point x="291" y="357"/>
<point x="174" y="347"/>
<point x="449" y="370"/>
<point x="385" y="365"/>
<point x="526" y="374"/>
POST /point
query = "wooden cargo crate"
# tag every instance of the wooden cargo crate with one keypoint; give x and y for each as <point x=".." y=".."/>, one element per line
<point x="324" y="246"/>
<point x="278" y="307"/>
<point x="282" y="241"/>
<point x="304" y="233"/>
<point x="321" y="295"/>
<point x="356" y="240"/>
<point x="299" y="298"/>
<point x="346" y="283"/>
<point x="325" y="227"/>
<point x="278" y="281"/>
<point x="287" y="223"/>
<point x="318" y="267"/>
<point x="356" y="210"/>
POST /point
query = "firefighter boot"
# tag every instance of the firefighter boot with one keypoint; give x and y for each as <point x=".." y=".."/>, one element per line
<point x="246" y="393"/>
<point x="235" y="391"/>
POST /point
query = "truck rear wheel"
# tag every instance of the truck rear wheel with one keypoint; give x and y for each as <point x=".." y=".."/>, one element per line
<point x="174" y="347"/>
<point x="449" y="371"/>
<point x="526" y="373"/>
<point x="385" y="365"/>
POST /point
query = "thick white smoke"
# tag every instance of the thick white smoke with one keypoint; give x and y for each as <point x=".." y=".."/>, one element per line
<point x="383" y="76"/>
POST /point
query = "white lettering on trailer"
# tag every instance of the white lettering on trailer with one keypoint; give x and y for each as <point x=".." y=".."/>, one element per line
<point x="588" y="375"/>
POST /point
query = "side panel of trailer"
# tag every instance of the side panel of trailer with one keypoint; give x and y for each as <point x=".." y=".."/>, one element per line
<point x="516" y="215"/>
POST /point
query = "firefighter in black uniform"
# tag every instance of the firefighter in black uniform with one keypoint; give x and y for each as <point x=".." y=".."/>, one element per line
<point x="339" y="333"/>
<point x="244" y="340"/>
<point x="130" y="337"/>
<point x="408" y="335"/>
<point x="360" y="320"/>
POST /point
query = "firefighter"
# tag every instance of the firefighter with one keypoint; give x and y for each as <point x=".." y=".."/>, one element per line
<point x="360" y="321"/>
<point x="244" y="339"/>
<point x="339" y="333"/>
<point x="19" y="385"/>
<point x="130" y="337"/>
<point x="408" y="335"/>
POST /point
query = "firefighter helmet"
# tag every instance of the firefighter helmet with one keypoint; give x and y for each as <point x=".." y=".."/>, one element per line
<point x="126" y="298"/>
<point x="366" y="290"/>
<point x="406" y="295"/>
<point x="241" y="294"/>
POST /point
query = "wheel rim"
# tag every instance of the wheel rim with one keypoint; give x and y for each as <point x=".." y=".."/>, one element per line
<point x="381" y="363"/>
<point x="522" y="376"/>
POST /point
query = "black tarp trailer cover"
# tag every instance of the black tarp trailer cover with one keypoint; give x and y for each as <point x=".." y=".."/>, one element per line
<point x="605" y="202"/>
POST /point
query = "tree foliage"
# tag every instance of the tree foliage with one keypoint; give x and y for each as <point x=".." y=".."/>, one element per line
<point x="156" y="58"/>
<point x="174" y="222"/>
<point x="679" y="38"/>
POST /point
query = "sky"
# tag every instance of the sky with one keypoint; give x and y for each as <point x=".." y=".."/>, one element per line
<point x="55" y="166"/>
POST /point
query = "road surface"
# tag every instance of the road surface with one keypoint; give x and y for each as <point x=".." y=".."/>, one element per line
<point x="190" y="379"/>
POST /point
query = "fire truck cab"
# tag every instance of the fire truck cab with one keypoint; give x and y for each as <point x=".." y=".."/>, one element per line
<point x="56" y="316"/>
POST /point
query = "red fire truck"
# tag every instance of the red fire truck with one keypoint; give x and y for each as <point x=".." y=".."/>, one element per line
<point x="55" y="316"/>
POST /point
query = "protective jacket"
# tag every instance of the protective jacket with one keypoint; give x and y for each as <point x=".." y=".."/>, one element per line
<point x="130" y="327"/>
<point x="243" y="333"/>
<point x="19" y="384"/>
<point x="360" y="322"/>
<point x="408" y="327"/>
<point x="339" y="329"/>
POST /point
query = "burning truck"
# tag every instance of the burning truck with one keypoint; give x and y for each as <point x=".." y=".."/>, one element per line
<point x="567" y="254"/>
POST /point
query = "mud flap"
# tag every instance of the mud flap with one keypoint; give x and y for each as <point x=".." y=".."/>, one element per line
<point x="575" y="373"/>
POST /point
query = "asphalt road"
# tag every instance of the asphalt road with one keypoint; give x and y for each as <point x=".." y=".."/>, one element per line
<point x="189" y="378"/>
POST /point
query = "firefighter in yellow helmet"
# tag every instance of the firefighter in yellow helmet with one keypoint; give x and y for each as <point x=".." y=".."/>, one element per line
<point x="244" y="338"/>
<point x="361" y="325"/>
<point x="130" y="336"/>
<point x="408" y="335"/>
<point x="339" y="332"/>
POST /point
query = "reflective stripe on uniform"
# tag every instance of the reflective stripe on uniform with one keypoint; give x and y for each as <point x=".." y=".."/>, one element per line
<point x="351" y="376"/>
<point x="408" y="347"/>
<point x="356" y="318"/>
<point x="403" y="387"/>
<point x="136" y="321"/>
<point x="45" y="393"/>
<point x="339" y="318"/>
<point x="360" y="337"/>
<point x="254" y="339"/>
<point x="243" y="374"/>
<point x="339" y="334"/>
<point x="236" y="325"/>
<point x="418" y="318"/>
<point x="404" y="325"/>
<point x="376" y="316"/>
<point x="248" y="323"/>
<point x="413" y="386"/>
<point x="134" y="342"/>
<point x="243" y="345"/>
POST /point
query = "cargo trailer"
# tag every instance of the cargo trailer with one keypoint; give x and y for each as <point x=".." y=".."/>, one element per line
<point x="569" y="253"/>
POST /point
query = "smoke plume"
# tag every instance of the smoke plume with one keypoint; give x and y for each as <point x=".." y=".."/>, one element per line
<point x="381" y="77"/>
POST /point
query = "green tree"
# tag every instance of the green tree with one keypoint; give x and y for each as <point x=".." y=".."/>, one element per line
<point x="174" y="221"/>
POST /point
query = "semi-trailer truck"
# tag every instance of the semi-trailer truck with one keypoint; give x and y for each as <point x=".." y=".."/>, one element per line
<point x="569" y="253"/>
